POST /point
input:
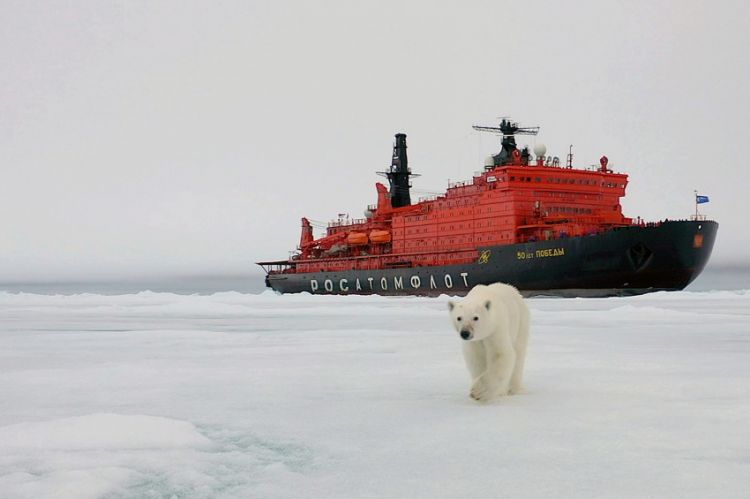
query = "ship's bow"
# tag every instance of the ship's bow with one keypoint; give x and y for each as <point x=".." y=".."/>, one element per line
<point x="693" y="242"/>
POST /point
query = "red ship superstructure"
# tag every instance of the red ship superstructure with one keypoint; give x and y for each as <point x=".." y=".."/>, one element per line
<point x="510" y="203"/>
<point x="530" y="205"/>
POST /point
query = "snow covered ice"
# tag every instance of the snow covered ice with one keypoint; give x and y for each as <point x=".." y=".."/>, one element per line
<point x="267" y="396"/>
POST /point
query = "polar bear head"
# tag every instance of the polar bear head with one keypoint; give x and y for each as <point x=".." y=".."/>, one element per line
<point x="471" y="318"/>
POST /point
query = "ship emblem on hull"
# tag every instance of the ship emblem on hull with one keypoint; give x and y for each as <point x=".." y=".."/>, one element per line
<point x="639" y="256"/>
<point x="484" y="257"/>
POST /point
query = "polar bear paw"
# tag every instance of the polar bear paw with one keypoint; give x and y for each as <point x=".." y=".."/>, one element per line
<point x="481" y="390"/>
<point x="515" y="390"/>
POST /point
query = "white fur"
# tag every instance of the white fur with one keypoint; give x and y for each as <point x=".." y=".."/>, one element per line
<point x="497" y="320"/>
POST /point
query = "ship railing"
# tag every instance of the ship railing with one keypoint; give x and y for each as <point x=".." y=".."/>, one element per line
<point x="451" y="185"/>
<point x="347" y="260"/>
<point x="347" y="222"/>
<point x="278" y="267"/>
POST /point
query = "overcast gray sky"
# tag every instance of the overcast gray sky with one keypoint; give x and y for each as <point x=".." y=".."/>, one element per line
<point x="143" y="138"/>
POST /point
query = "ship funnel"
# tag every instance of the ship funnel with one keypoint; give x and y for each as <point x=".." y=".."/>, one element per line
<point x="398" y="174"/>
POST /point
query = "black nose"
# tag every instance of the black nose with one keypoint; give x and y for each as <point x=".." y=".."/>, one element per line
<point x="465" y="334"/>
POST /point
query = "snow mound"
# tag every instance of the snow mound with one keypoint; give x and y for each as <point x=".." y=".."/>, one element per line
<point x="101" y="431"/>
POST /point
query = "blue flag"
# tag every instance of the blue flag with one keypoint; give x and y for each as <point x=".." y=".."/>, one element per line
<point x="701" y="199"/>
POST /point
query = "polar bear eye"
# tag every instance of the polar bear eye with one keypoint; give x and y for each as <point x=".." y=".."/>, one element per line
<point x="458" y="318"/>
<point x="476" y="317"/>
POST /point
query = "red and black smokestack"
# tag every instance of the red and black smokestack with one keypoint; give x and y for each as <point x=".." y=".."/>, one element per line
<point x="399" y="173"/>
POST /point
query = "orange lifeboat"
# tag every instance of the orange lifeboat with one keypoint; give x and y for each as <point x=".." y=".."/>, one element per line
<point x="380" y="236"/>
<point x="356" y="238"/>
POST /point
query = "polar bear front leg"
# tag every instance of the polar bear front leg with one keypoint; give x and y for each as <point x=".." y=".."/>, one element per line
<point x="495" y="381"/>
<point x="475" y="358"/>
<point x="499" y="373"/>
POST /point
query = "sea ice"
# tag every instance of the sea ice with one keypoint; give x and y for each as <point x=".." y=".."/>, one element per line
<point x="232" y="395"/>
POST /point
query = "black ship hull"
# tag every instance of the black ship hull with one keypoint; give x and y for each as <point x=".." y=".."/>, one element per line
<point x="624" y="261"/>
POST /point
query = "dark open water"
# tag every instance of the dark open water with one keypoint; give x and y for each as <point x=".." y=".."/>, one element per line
<point x="712" y="278"/>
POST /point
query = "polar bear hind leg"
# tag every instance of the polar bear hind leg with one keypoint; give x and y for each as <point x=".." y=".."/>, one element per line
<point x="522" y="341"/>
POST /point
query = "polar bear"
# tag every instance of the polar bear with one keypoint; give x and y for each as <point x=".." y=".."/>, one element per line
<point x="494" y="323"/>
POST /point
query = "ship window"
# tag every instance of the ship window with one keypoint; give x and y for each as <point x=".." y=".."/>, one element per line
<point x="512" y="178"/>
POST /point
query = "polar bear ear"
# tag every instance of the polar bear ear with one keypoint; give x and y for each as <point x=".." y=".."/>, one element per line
<point x="487" y="304"/>
<point x="451" y="304"/>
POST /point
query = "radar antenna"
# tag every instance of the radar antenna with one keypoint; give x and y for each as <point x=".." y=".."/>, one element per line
<point x="508" y="129"/>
